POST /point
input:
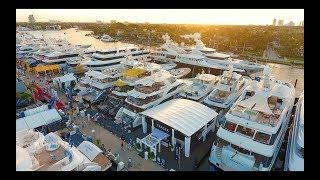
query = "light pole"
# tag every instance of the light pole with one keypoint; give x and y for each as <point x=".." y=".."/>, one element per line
<point x="93" y="131"/>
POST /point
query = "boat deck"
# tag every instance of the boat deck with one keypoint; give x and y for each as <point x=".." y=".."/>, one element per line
<point x="103" y="161"/>
<point x="45" y="158"/>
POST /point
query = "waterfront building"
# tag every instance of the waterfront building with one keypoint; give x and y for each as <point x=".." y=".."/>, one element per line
<point x="280" y="22"/>
<point x="31" y="19"/>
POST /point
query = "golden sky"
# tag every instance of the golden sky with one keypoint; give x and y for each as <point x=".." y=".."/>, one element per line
<point x="170" y="16"/>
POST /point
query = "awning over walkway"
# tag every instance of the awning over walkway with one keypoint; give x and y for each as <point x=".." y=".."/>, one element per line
<point x="160" y="135"/>
<point x="183" y="115"/>
<point x="37" y="120"/>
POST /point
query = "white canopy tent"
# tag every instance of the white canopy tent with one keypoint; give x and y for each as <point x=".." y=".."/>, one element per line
<point x="184" y="115"/>
<point x="90" y="150"/>
<point x="67" y="79"/>
<point x="37" y="120"/>
<point x="36" y="110"/>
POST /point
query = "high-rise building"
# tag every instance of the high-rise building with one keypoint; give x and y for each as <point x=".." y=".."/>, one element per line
<point x="291" y="23"/>
<point x="53" y="21"/>
<point x="280" y="22"/>
<point x="31" y="19"/>
<point x="274" y="22"/>
<point x="113" y="21"/>
<point x="99" y="22"/>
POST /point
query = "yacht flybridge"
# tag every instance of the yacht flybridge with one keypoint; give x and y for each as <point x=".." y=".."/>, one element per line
<point x="255" y="126"/>
<point x="201" y="85"/>
<point x="132" y="71"/>
<point x="133" y="75"/>
<point x="227" y="91"/>
<point x="294" y="160"/>
<point x="59" y="57"/>
<point x="148" y="92"/>
<point x="98" y="83"/>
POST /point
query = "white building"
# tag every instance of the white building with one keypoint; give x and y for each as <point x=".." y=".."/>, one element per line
<point x="31" y="19"/>
<point x="179" y="120"/>
<point x="53" y="21"/>
<point x="280" y="22"/>
<point x="274" y="22"/>
<point x="291" y="23"/>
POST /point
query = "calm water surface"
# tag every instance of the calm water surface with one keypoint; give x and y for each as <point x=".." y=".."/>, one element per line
<point x="279" y="71"/>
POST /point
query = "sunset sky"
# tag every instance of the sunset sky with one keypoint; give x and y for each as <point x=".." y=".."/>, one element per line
<point x="170" y="16"/>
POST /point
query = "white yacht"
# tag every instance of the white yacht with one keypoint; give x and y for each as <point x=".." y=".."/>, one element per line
<point x="103" y="59"/>
<point x="255" y="127"/>
<point x="57" y="57"/>
<point x="294" y="160"/>
<point x="220" y="60"/>
<point x="133" y="75"/>
<point x="148" y="92"/>
<point x="180" y="72"/>
<point x="120" y="87"/>
<point x="98" y="83"/>
<point x="201" y="85"/>
<point x="167" y="52"/>
<point x="25" y="51"/>
<point x="228" y="90"/>
<point x="82" y="58"/>
<point x="107" y="38"/>
<point x="49" y="153"/>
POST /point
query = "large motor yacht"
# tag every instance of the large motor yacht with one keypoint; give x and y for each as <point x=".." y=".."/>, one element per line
<point x="255" y="127"/>
<point x="103" y="59"/>
<point x="98" y="83"/>
<point x="57" y="57"/>
<point x="201" y="85"/>
<point x="227" y="91"/>
<point x="294" y="160"/>
<point x="220" y="60"/>
<point x="148" y="92"/>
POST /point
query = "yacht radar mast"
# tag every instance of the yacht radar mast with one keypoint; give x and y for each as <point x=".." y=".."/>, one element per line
<point x="266" y="73"/>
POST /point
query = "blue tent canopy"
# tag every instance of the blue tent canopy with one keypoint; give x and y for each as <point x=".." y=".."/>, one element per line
<point x="160" y="135"/>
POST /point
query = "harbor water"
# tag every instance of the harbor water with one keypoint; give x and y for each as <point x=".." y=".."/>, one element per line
<point x="279" y="71"/>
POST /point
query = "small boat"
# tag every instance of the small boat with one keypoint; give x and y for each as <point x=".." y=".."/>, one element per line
<point x="180" y="72"/>
<point x="168" y="66"/>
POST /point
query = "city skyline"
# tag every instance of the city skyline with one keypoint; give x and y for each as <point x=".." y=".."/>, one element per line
<point x="169" y="16"/>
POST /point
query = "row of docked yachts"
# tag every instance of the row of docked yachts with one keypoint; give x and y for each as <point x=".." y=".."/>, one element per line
<point x="253" y="113"/>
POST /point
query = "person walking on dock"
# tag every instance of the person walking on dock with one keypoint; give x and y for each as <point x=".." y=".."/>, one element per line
<point x="122" y="146"/>
<point x="129" y="163"/>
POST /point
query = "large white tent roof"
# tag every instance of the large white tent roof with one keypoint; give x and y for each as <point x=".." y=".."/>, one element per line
<point x="183" y="115"/>
<point x="37" y="120"/>
<point x="90" y="150"/>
